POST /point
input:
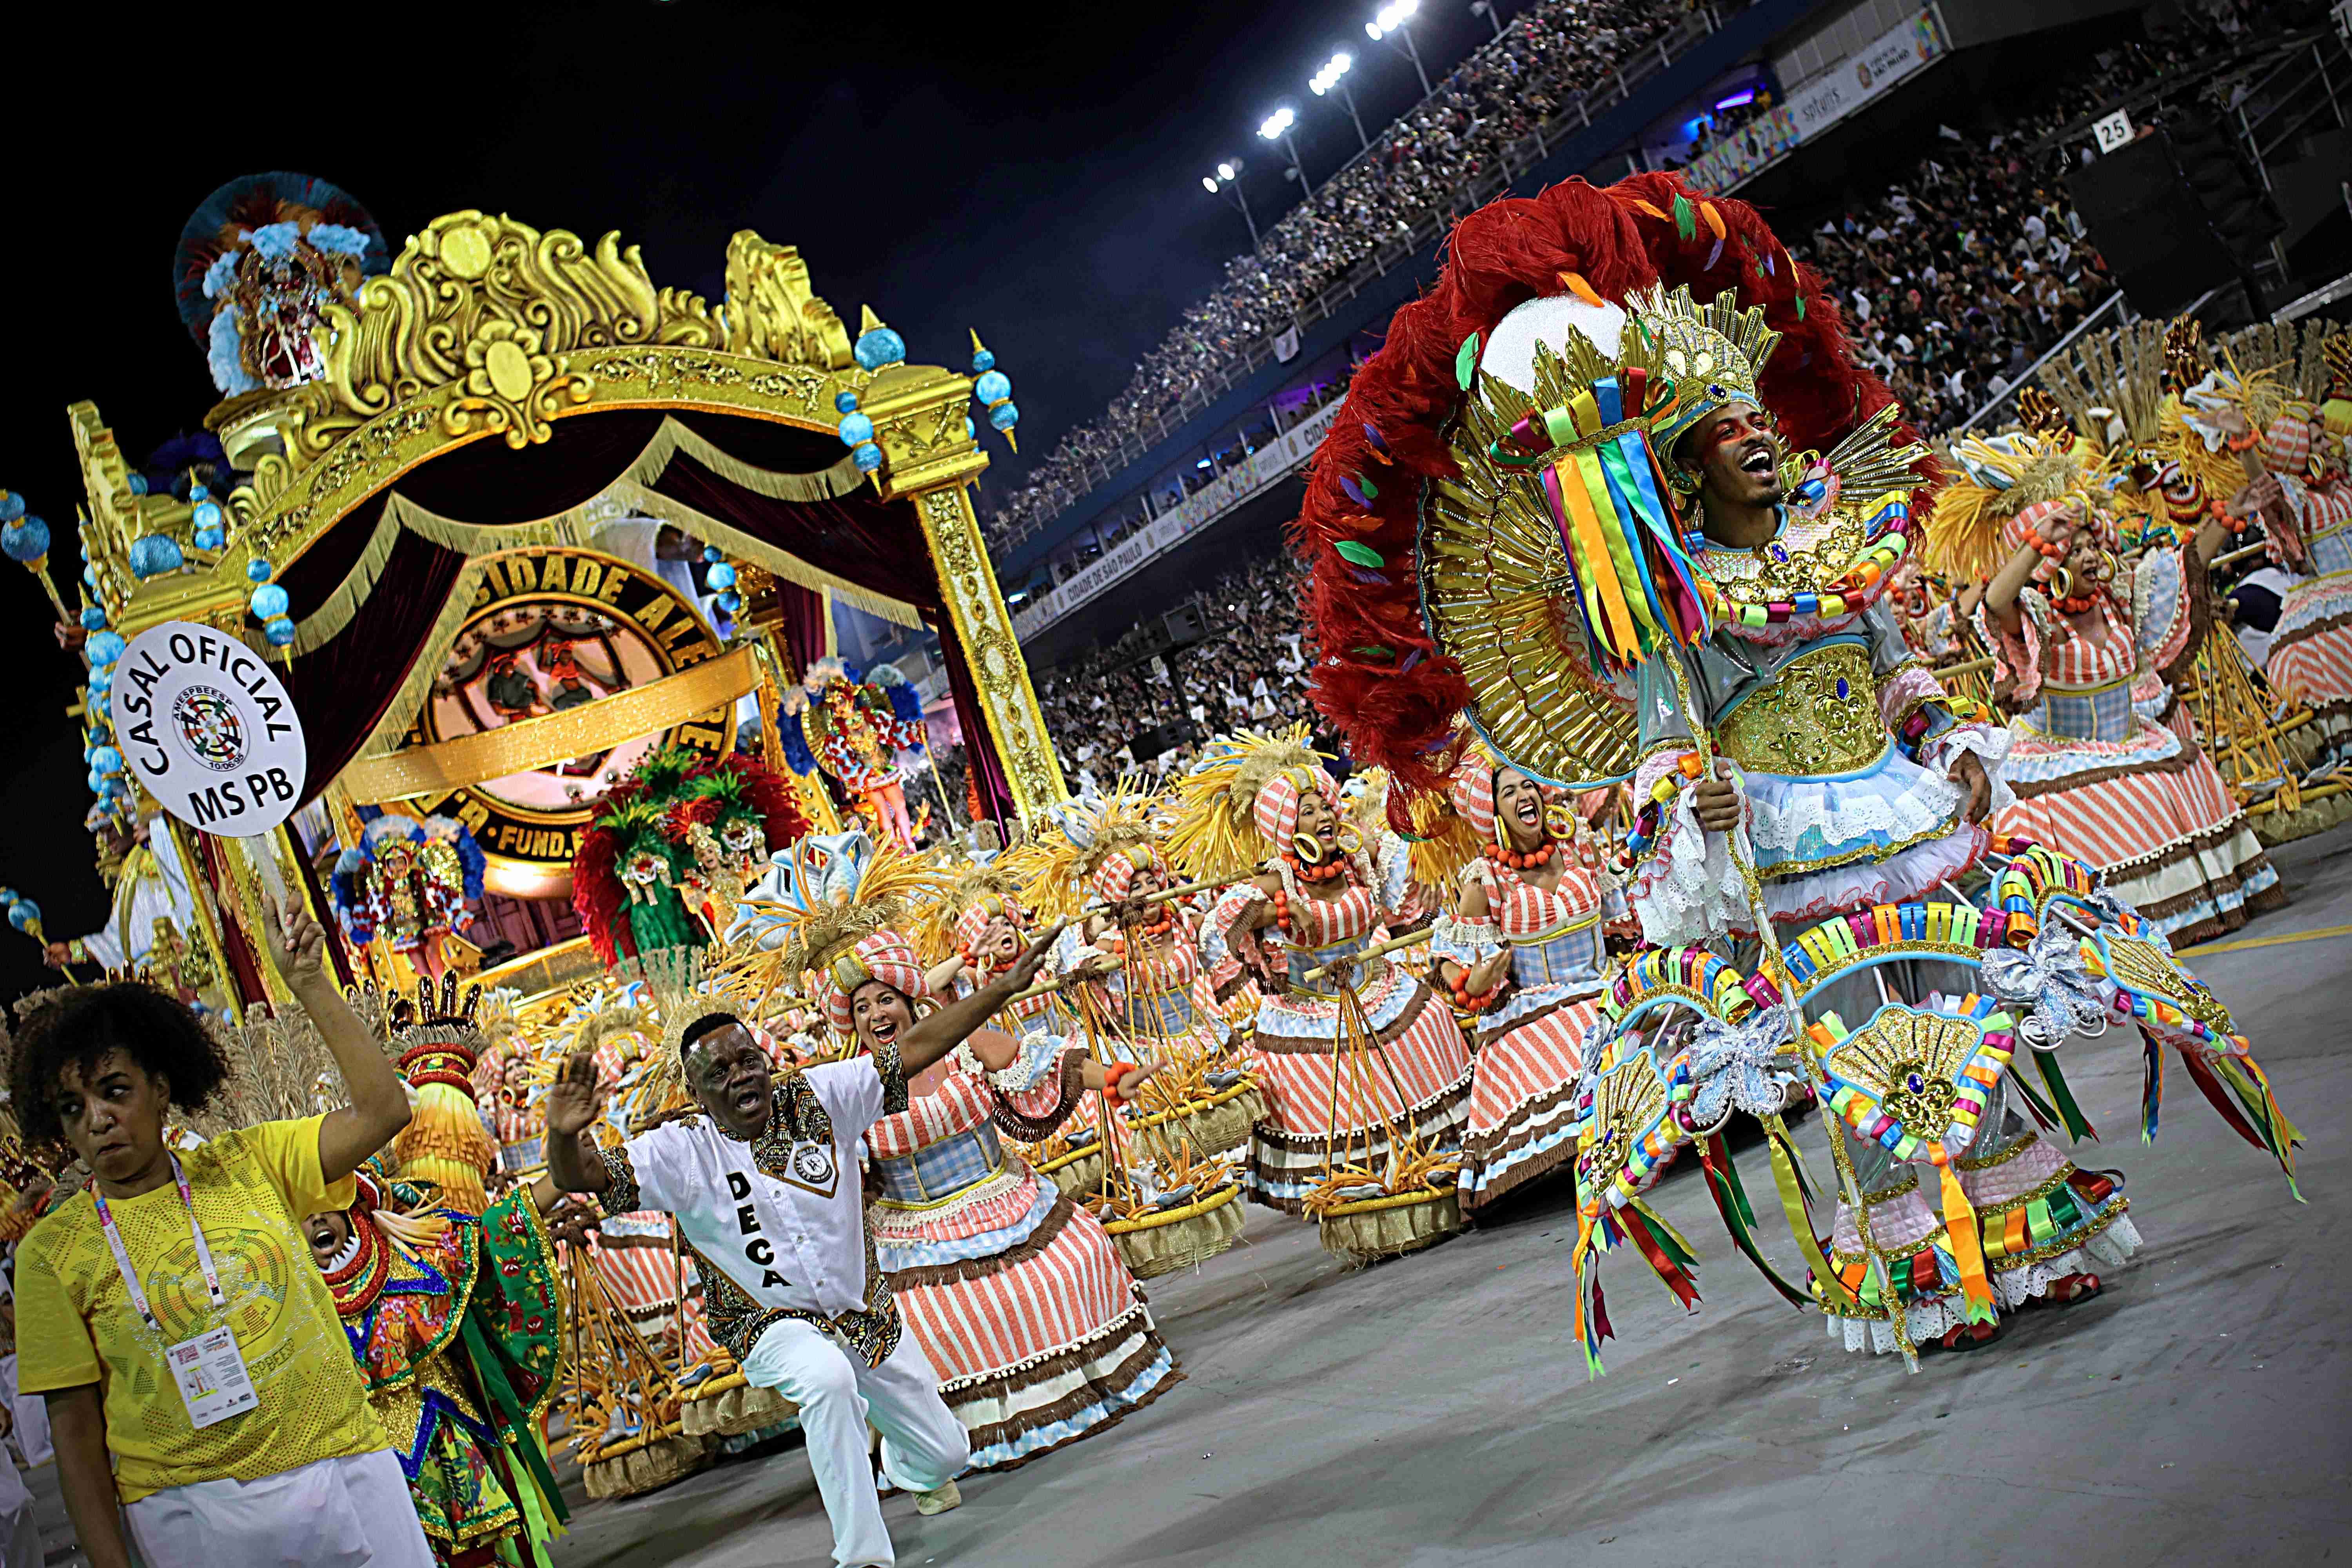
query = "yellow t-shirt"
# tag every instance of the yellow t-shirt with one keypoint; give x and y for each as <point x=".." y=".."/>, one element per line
<point x="76" y="1324"/>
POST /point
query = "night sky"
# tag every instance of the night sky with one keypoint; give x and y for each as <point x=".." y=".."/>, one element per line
<point x="1033" y="170"/>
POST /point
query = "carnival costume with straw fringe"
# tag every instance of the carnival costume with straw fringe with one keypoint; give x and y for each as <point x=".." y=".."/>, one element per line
<point x="1529" y="1030"/>
<point x="2093" y="776"/>
<point x="2300" y="409"/>
<point x="1238" y="818"/>
<point x="990" y="885"/>
<point x="1499" y="531"/>
<point x="1159" y="1002"/>
<point x="1038" y="1330"/>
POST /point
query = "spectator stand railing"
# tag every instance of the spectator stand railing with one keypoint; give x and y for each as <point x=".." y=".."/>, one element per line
<point x="1268" y="465"/>
<point x="2112" y="312"/>
<point x="1515" y="160"/>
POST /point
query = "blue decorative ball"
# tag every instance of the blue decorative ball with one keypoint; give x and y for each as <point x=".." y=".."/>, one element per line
<point x="854" y="428"/>
<point x="138" y="484"/>
<point x="845" y="403"/>
<point x="104" y="648"/>
<point x="153" y="554"/>
<point x="93" y="619"/>
<point x="731" y="602"/>
<point x="23" y="913"/>
<point x="106" y="760"/>
<point x="257" y="570"/>
<point x="712" y="554"/>
<point x="269" y="602"/>
<point x="1004" y="415"/>
<point x="992" y="388"/>
<point x="96" y="780"/>
<point x="212" y="538"/>
<point x="278" y="630"/>
<point x="12" y="506"/>
<point x="25" y="541"/>
<point x="102" y="681"/>
<point x="868" y="457"/>
<point x="90" y="575"/>
<point x="208" y="514"/>
<point x="197" y="492"/>
<point x="878" y="348"/>
<point x="970" y="430"/>
<point x="983" y="358"/>
<point x="719" y="577"/>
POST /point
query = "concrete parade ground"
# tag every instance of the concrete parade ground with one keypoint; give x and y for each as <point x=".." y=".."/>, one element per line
<point x="1434" y="1410"/>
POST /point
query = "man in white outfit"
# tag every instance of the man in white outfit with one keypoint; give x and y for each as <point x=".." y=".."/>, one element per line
<point x="763" y="1180"/>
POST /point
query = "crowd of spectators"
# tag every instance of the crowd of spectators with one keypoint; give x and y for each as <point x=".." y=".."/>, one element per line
<point x="1547" y="58"/>
<point x="1958" y="276"/>
<point x="1967" y="269"/>
<point x="1249" y="672"/>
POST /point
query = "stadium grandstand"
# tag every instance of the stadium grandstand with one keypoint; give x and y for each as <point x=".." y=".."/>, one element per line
<point x="1923" y="152"/>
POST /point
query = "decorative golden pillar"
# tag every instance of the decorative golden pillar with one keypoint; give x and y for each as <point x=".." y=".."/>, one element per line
<point x="920" y="422"/>
<point x="975" y="604"/>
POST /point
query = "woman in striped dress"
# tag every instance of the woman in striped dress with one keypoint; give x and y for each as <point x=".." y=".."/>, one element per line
<point x="1018" y="1298"/>
<point x="1523" y="954"/>
<point x="1141" y="961"/>
<point x="2094" y="777"/>
<point x="2304" y="497"/>
<point x="1314" y="903"/>
<point x="1039" y="1333"/>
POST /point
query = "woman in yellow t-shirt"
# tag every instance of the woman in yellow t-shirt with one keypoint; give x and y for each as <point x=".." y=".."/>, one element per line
<point x="171" y="1314"/>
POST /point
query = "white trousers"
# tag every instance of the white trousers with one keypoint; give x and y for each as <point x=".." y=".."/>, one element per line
<point x="923" y="1445"/>
<point x="20" y="1537"/>
<point x="331" y="1513"/>
<point x="32" y="1413"/>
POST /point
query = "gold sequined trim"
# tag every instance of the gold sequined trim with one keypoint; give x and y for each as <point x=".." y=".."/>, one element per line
<point x="2072" y="1242"/>
<point x="2024" y="1143"/>
<point x="2056" y="1180"/>
<point x="1909" y="1183"/>
<point x="1841" y="1261"/>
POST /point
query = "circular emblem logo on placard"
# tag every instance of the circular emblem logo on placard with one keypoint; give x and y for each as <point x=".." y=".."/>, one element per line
<point x="207" y="727"/>
<point x="813" y="1162"/>
<point x="553" y="629"/>
<point x="209" y="724"/>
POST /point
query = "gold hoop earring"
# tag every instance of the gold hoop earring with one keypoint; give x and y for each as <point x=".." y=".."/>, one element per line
<point x="1559" y="820"/>
<point x="1351" y="841"/>
<point x="1307" y="848"/>
<point x="2062" y="583"/>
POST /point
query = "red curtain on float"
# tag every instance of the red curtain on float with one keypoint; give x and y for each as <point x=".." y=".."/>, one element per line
<point x="342" y="689"/>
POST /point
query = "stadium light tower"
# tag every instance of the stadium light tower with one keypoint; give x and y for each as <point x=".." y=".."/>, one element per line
<point x="1275" y="127"/>
<point x="1227" y="181"/>
<point x="1395" y="21"/>
<point x="1332" y="77"/>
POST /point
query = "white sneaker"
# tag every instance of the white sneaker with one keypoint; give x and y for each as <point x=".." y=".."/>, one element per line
<point x="939" y="1502"/>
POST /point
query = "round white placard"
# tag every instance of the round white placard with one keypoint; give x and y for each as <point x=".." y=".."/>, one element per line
<point x="208" y="727"/>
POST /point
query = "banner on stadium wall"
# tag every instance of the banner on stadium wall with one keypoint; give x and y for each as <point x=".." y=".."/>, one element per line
<point x="1269" y="463"/>
<point x="1859" y="78"/>
<point x="1763" y="140"/>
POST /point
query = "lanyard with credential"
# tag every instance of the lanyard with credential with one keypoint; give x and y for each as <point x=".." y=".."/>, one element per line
<point x="122" y="1255"/>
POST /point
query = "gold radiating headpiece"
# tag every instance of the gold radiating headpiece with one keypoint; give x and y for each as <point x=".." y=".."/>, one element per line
<point x="1713" y="352"/>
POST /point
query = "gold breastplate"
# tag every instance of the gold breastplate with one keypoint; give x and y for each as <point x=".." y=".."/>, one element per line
<point x="1818" y="715"/>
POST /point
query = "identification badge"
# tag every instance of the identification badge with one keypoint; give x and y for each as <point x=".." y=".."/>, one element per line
<point x="210" y="1371"/>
